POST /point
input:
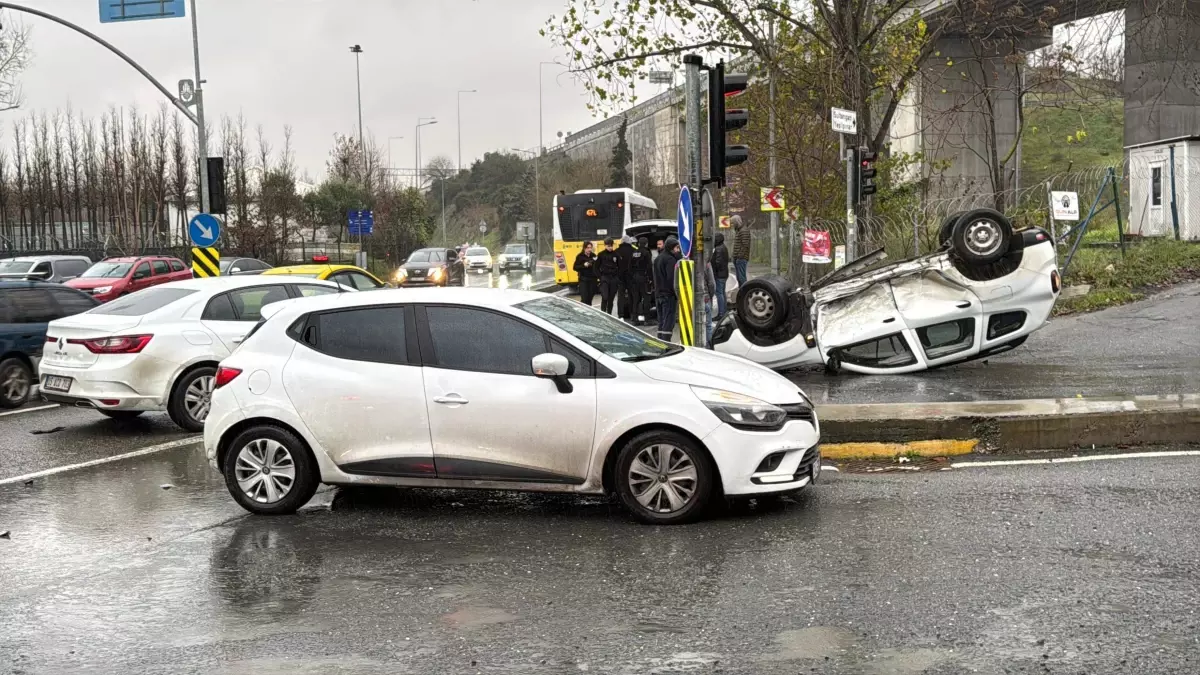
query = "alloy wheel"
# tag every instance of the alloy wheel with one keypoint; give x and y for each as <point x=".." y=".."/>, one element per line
<point x="14" y="383"/>
<point x="198" y="397"/>
<point x="663" y="478"/>
<point x="265" y="470"/>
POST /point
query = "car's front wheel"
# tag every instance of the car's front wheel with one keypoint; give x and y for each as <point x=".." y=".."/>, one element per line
<point x="16" y="381"/>
<point x="191" y="398"/>
<point x="269" y="471"/>
<point x="664" y="478"/>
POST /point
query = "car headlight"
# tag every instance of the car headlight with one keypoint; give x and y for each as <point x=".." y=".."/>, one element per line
<point x="436" y="273"/>
<point x="740" y="411"/>
<point x="401" y="274"/>
<point x="101" y="290"/>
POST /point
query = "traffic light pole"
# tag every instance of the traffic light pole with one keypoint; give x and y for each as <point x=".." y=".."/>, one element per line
<point x="851" y="187"/>
<point x="201" y="130"/>
<point x="692" y="66"/>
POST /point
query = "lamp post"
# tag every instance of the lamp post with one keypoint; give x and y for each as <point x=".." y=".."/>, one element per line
<point x="460" y="93"/>
<point x="357" y="51"/>
<point x="417" y="142"/>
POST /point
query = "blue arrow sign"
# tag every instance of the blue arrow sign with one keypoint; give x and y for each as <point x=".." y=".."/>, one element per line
<point x="360" y="222"/>
<point x="204" y="230"/>
<point x="684" y="222"/>
<point x="117" y="11"/>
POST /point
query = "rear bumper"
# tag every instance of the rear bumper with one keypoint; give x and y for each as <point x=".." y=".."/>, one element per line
<point x="93" y="387"/>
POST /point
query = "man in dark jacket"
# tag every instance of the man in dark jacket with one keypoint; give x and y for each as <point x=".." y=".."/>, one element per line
<point x="664" y="288"/>
<point x="585" y="267"/>
<point x="741" y="249"/>
<point x="609" y="270"/>
<point x="720" y="266"/>
<point x="624" y="277"/>
<point x="640" y="273"/>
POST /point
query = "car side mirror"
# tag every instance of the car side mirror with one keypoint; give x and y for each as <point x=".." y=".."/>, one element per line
<point x="554" y="367"/>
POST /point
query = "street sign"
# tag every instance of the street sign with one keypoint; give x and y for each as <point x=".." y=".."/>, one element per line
<point x="817" y="247"/>
<point x="117" y="11"/>
<point x="360" y="222"/>
<point x="793" y="213"/>
<point x="772" y="199"/>
<point x="684" y="222"/>
<point x="725" y="222"/>
<point x="1065" y="205"/>
<point x="482" y="227"/>
<point x="525" y="230"/>
<point x="844" y="121"/>
<point x="684" y="269"/>
<point x="839" y="256"/>
<point x="206" y="262"/>
<point x="204" y="230"/>
<point x="187" y="92"/>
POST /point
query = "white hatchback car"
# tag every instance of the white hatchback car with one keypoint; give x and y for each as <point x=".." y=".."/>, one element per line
<point x="478" y="259"/>
<point x="498" y="389"/>
<point x="158" y="349"/>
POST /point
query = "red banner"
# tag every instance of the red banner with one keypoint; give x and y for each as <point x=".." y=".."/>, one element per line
<point x="818" y="247"/>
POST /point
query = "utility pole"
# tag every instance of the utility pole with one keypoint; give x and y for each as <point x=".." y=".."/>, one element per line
<point x="201" y="130"/>
<point x="774" y="228"/>
<point x="692" y="66"/>
<point x="362" y="146"/>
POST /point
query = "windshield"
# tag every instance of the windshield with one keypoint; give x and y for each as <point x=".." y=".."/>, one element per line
<point x="477" y="251"/>
<point x="515" y="249"/>
<point x="143" y="302"/>
<point x="600" y="330"/>
<point x="107" y="270"/>
<point x="427" y="256"/>
<point x="15" y="267"/>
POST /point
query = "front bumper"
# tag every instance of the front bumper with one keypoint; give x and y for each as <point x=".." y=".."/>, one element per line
<point x="421" y="281"/>
<point x="754" y="462"/>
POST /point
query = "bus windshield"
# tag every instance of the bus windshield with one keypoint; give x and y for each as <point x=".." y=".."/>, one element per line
<point x="588" y="217"/>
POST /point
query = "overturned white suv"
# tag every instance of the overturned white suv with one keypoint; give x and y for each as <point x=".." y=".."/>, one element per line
<point x="981" y="293"/>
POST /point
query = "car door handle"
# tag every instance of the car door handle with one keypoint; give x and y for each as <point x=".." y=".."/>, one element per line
<point x="452" y="399"/>
<point x="964" y="305"/>
<point x="238" y="341"/>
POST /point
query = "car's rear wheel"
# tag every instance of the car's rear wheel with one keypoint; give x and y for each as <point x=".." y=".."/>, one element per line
<point x="947" y="228"/>
<point x="664" y="478"/>
<point x="16" y="381"/>
<point x="762" y="303"/>
<point x="191" y="398"/>
<point x="982" y="236"/>
<point x="121" y="414"/>
<point x="269" y="471"/>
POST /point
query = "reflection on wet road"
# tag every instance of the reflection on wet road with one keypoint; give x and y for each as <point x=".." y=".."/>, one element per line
<point x="516" y="279"/>
<point x="107" y="570"/>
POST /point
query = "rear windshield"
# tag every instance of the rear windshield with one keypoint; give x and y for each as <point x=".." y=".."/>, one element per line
<point x="588" y="217"/>
<point x="143" y="302"/>
<point x="15" y="267"/>
<point x="107" y="270"/>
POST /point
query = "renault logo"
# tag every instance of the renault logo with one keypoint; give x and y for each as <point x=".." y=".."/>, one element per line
<point x="61" y="342"/>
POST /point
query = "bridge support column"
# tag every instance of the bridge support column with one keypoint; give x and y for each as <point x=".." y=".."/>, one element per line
<point x="1162" y="70"/>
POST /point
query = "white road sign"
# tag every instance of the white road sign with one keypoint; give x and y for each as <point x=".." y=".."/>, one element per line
<point x="844" y="121"/>
<point x="1065" y="205"/>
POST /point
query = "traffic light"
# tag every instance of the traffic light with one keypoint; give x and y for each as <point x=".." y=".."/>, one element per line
<point x="866" y="173"/>
<point x="722" y="121"/>
<point x="215" y="166"/>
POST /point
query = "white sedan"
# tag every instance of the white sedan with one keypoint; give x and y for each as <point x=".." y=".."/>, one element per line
<point x="158" y="349"/>
<point x="498" y="389"/>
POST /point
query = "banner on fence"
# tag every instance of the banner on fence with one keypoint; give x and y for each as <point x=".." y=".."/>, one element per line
<point x="817" y="247"/>
<point x="839" y="257"/>
<point x="1064" y="205"/>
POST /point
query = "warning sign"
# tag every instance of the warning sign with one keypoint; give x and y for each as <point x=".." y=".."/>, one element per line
<point x="772" y="199"/>
<point x="725" y="222"/>
<point x="817" y="247"/>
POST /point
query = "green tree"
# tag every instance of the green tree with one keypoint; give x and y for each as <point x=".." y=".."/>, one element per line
<point x="621" y="157"/>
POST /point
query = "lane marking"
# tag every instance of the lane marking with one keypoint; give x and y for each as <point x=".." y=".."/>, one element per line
<point x="1075" y="460"/>
<point x="170" y="445"/>
<point x="28" y="410"/>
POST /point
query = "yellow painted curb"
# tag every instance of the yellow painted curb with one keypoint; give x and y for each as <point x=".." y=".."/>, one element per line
<point x="939" y="448"/>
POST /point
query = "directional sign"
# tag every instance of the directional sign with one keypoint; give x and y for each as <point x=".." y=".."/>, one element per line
<point x="772" y="199"/>
<point x="117" y="11"/>
<point x="683" y="221"/>
<point x="843" y="121"/>
<point x="206" y="262"/>
<point x="360" y="222"/>
<point x="793" y="213"/>
<point x="725" y="222"/>
<point x="204" y="230"/>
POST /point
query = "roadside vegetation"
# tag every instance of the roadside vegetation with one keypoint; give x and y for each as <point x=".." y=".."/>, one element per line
<point x="1146" y="268"/>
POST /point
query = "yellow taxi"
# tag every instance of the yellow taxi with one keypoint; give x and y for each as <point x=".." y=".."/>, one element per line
<point x="345" y="275"/>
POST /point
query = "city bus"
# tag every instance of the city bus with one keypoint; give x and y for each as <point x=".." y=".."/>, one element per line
<point x="593" y="215"/>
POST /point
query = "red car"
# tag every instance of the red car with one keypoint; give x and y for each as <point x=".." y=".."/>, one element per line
<point x="113" y="277"/>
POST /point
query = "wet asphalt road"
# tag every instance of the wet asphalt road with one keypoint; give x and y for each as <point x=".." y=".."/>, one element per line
<point x="1148" y="347"/>
<point x="1083" y="568"/>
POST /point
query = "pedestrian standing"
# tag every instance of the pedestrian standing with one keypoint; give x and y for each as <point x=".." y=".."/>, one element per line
<point x="641" y="272"/>
<point x="720" y="269"/>
<point x="625" y="278"/>
<point x="585" y="267"/>
<point x="741" y="249"/>
<point x="665" y="299"/>
<point x="608" y="269"/>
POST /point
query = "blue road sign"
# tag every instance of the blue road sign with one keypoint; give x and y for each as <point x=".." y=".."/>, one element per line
<point x="204" y="230"/>
<point x="360" y="222"/>
<point x="684" y="222"/>
<point x="116" y="11"/>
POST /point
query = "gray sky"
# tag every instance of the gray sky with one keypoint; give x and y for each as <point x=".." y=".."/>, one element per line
<point x="288" y="62"/>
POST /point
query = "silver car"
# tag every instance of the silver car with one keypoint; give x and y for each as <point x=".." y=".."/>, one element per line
<point x="53" y="268"/>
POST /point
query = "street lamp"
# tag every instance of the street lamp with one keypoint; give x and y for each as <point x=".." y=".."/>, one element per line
<point x="460" y="93"/>
<point x="417" y="142"/>
<point x="357" y="51"/>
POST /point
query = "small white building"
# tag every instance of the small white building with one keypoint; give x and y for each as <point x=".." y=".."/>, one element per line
<point x="1154" y="179"/>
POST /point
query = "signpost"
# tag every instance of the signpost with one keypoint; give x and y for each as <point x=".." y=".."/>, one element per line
<point x="793" y="213"/>
<point x="845" y="122"/>
<point x="771" y="199"/>
<point x="683" y="221"/>
<point x="118" y="11"/>
<point x="360" y="223"/>
<point x="482" y="227"/>
<point x="1064" y="205"/>
<point x="204" y="230"/>
<point x="725" y="222"/>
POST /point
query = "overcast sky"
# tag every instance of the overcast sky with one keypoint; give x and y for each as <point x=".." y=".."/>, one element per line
<point x="288" y="62"/>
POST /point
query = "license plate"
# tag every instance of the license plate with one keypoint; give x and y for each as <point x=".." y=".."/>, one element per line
<point x="56" y="383"/>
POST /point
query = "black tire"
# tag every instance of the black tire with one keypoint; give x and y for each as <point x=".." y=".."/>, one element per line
<point x="269" y="439"/>
<point x="178" y="406"/>
<point x="762" y="302"/>
<point x="982" y="236"/>
<point x="654" y="443"/>
<point x="16" y="382"/>
<point x="947" y="228"/>
<point x="121" y="414"/>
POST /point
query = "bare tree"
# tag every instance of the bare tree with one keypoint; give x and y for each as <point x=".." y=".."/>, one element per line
<point x="14" y="57"/>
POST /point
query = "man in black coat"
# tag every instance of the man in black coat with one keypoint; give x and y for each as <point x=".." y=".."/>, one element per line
<point x="624" y="277"/>
<point x="609" y="269"/>
<point x="640" y="274"/>
<point x="720" y="266"/>
<point x="664" y="288"/>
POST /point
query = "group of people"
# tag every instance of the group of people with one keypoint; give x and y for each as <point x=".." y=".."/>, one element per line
<point x="631" y="276"/>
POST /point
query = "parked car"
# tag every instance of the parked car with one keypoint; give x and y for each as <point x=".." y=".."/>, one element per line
<point x="231" y="266"/>
<point x="517" y="257"/>
<point x="158" y="349"/>
<point x="53" y="268"/>
<point x="432" y="267"/>
<point x="349" y="276"/>
<point x="114" y="277"/>
<point x="478" y="259"/>
<point x="497" y="389"/>
<point x="982" y="293"/>
<point x="25" y="309"/>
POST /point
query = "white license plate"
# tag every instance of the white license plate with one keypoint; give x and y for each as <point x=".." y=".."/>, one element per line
<point x="56" y="383"/>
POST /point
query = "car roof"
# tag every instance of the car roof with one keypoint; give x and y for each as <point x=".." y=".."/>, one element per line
<point x="305" y="269"/>
<point x="136" y="258"/>
<point x="45" y="258"/>
<point x="467" y="297"/>
<point x="218" y="284"/>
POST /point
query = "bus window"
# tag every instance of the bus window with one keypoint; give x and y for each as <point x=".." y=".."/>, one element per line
<point x="639" y="213"/>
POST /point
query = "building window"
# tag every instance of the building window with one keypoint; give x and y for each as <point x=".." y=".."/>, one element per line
<point x="1156" y="186"/>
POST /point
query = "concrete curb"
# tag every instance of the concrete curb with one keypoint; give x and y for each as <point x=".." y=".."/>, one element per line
<point x="943" y="429"/>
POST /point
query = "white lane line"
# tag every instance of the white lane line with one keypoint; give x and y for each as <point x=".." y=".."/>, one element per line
<point x="96" y="462"/>
<point x="1075" y="460"/>
<point x="28" y="410"/>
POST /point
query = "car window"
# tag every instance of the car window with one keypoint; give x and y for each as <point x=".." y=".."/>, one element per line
<point x="70" y="268"/>
<point x="373" y="334"/>
<point x="219" y="308"/>
<point x="225" y="263"/>
<point x="583" y="365"/>
<point x="473" y="339"/>
<point x="248" y="302"/>
<point x="15" y="266"/>
<point x="42" y="268"/>
<point x="107" y="270"/>
<point x="177" y="266"/>
<point x="362" y="282"/>
<point x="142" y="271"/>
<point x="32" y="305"/>
<point x="72" y="302"/>
<point x="143" y="302"/>
<point x="599" y="330"/>
<point x="161" y="267"/>
<point x="309" y="290"/>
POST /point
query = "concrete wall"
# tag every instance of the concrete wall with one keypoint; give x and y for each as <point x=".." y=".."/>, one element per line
<point x="655" y="135"/>
<point x="1162" y="70"/>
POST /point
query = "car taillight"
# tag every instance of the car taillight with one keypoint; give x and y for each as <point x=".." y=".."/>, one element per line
<point x="225" y="375"/>
<point x="1055" y="282"/>
<point x="51" y="339"/>
<point x="125" y="344"/>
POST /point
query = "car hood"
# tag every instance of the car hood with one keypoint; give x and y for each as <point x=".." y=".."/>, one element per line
<point x="94" y="282"/>
<point x="714" y="370"/>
